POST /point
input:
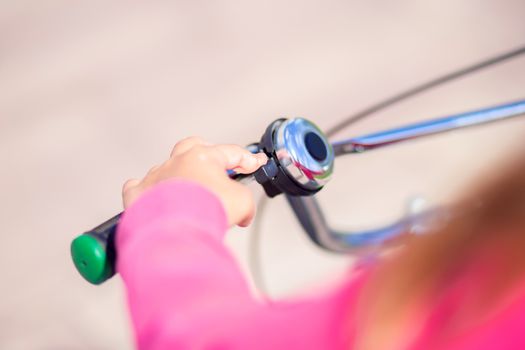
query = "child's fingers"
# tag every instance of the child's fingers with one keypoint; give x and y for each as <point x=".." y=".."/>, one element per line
<point x="239" y="158"/>
<point x="153" y="169"/>
<point x="128" y="191"/>
<point x="239" y="203"/>
<point x="129" y="184"/>
<point x="187" y="144"/>
<point x="247" y="220"/>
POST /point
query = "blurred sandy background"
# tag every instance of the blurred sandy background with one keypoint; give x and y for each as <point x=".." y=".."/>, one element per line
<point x="96" y="92"/>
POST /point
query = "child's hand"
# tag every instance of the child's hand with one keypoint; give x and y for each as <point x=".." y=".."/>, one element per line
<point x="193" y="159"/>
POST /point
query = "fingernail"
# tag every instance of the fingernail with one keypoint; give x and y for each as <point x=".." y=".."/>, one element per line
<point x="261" y="158"/>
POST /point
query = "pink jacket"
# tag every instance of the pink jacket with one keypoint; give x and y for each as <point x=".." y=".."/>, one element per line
<point x="185" y="291"/>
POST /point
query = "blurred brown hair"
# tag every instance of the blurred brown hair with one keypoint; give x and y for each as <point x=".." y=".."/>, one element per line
<point x="403" y="290"/>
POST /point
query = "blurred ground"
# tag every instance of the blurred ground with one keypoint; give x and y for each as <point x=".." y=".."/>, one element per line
<point x="96" y="92"/>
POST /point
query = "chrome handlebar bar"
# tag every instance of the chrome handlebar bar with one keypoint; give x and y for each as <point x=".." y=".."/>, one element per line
<point x="313" y="221"/>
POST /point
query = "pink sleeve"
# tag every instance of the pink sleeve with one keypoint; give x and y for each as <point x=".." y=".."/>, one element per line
<point x="171" y="258"/>
<point x="185" y="291"/>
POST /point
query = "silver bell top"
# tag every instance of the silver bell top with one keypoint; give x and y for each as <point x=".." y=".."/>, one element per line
<point x="304" y="152"/>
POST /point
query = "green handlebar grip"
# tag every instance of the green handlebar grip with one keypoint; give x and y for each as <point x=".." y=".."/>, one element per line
<point x="94" y="253"/>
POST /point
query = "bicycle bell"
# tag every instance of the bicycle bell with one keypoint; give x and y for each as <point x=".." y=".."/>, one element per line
<point x="301" y="159"/>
